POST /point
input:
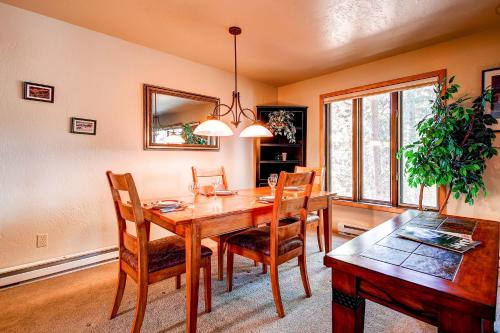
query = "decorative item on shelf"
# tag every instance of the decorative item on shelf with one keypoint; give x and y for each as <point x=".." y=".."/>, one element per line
<point x="491" y="80"/>
<point x="83" y="126"/>
<point x="215" y="127"/>
<point x="283" y="156"/>
<point x="38" y="92"/>
<point x="278" y="157"/>
<point x="454" y="143"/>
<point x="281" y="123"/>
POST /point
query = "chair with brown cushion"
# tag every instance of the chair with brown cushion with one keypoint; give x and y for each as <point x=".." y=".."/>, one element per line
<point x="145" y="261"/>
<point x="315" y="217"/>
<point x="221" y="239"/>
<point x="282" y="240"/>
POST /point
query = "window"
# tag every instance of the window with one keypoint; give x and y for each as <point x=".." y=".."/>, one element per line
<point x="375" y="150"/>
<point x="414" y="106"/>
<point x="365" y="127"/>
<point x="340" y="179"/>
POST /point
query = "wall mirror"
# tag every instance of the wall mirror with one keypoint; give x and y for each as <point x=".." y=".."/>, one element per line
<point x="170" y="117"/>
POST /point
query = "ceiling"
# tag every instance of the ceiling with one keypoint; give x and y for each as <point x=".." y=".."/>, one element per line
<point x="283" y="41"/>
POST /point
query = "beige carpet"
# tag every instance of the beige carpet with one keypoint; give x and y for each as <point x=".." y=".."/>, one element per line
<point x="80" y="302"/>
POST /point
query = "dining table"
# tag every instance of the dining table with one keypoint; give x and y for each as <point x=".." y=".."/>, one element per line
<point x="208" y="216"/>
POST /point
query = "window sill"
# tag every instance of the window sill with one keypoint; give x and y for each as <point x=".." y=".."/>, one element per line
<point x="382" y="208"/>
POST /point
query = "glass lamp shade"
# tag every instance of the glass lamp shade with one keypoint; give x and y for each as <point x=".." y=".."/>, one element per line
<point x="256" y="130"/>
<point x="213" y="127"/>
<point x="174" y="139"/>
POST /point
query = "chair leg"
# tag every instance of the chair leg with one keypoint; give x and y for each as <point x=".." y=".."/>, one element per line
<point x="255" y="263"/>
<point x="264" y="268"/>
<point x="220" y="259"/>
<point x="120" y="288"/>
<point x="276" y="290"/>
<point x="229" y="275"/>
<point x="178" y="282"/>
<point x="319" y="233"/>
<point x="207" y="275"/>
<point x="303" y="274"/>
<point x="140" y="307"/>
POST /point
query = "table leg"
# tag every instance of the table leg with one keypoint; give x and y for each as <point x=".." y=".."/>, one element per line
<point x="348" y="309"/>
<point x="193" y="258"/>
<point x="488" y="326"/>
<point x="456" y="322"/>
<point x="327" y="225"/>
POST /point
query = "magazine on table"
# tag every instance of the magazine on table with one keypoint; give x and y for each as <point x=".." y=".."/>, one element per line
<point x="437" y="238"/>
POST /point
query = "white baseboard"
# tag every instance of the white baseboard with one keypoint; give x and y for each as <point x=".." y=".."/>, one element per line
<point x="56" y="266"/>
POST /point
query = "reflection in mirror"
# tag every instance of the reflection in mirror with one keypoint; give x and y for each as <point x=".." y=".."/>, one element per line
<point x="172" y="116"/>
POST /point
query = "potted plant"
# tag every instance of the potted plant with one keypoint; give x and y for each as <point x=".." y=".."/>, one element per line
<point x="453" y="146"/>
<point x="281" y="123"/>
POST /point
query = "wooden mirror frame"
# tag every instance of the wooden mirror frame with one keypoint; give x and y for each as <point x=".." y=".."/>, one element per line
<point x="148" y="133"/>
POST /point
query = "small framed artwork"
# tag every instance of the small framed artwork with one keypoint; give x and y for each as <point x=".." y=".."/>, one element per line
<point x="38" y="92"/>
<point x="491" y="79"/>
<point x="83" y="126"/>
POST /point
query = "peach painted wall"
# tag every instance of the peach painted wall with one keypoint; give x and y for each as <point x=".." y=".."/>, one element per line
<point x="464" y="57"/>
<point x="52" y="181"/>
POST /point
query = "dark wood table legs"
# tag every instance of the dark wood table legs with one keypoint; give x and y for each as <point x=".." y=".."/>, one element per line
<point x="456" y="322"/>
<point x="348" y="309"/>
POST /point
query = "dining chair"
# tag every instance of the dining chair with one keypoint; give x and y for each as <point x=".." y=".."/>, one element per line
<point x="145" y="261"/>
<point x="282" y="240"/>
<point x="220" y="239"/>
<point x="315" y="217"/>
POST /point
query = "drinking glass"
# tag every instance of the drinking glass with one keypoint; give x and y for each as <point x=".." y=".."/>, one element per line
<point x="194" y="188"/>
<point x="215" y="184"/>
<point x="272" y="181"/>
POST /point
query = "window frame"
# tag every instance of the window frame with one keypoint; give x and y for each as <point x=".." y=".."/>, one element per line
<point x="356" y="95"/>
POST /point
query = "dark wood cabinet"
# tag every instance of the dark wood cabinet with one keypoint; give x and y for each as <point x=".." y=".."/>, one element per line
<point x="269" y="149"/>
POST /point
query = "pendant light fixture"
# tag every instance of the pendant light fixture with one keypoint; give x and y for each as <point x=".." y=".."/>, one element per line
<point x="215" y="127"/>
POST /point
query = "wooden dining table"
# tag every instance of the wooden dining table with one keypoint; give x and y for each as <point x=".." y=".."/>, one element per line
<point x="211" y="216"/>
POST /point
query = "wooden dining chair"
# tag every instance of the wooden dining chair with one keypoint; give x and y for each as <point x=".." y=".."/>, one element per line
<point x="315" y="217"/>
<point x="220" y="239"/>
<point x="282" y="240"/>
<point x="145" y="261"/>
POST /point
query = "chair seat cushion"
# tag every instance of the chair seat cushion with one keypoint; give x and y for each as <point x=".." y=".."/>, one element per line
<point x="258" y="240"/>
<point x="163" y="253"/>
<point x="311" y="218"/>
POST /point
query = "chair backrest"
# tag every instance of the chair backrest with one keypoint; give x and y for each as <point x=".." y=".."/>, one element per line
<point x="295" y="203"/>
<point x="320" y="174"/>
<point x="131" y="211"/>
<point x="210" y="173"/>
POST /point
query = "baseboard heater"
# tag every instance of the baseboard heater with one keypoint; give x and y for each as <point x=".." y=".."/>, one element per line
<point x="351" y="230"/>
<point x="43" y="269"/>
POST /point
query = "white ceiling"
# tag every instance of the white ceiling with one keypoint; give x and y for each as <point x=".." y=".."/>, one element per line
<point x="283" y="41"/>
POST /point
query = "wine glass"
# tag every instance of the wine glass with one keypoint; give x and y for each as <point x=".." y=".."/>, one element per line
<point x="194" y="188"/>
<point x="215" y="184"/>
<point x="272" y="181"/>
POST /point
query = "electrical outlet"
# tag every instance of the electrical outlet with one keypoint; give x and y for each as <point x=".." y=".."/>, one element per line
<point x="42" y="240"/>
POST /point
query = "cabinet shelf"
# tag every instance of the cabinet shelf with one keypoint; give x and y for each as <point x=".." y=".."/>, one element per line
<point x="269" y="148"/>
<point x="281" y="145"/>
<point x="278" y="162"/>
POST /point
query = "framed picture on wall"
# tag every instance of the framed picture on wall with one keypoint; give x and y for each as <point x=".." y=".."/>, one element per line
<point x="38" y="92"/>
<point x="83" y="126"/>
<point x="491" y="79"/>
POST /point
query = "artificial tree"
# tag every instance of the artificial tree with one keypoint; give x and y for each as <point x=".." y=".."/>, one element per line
<point x="453" y="146"/>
